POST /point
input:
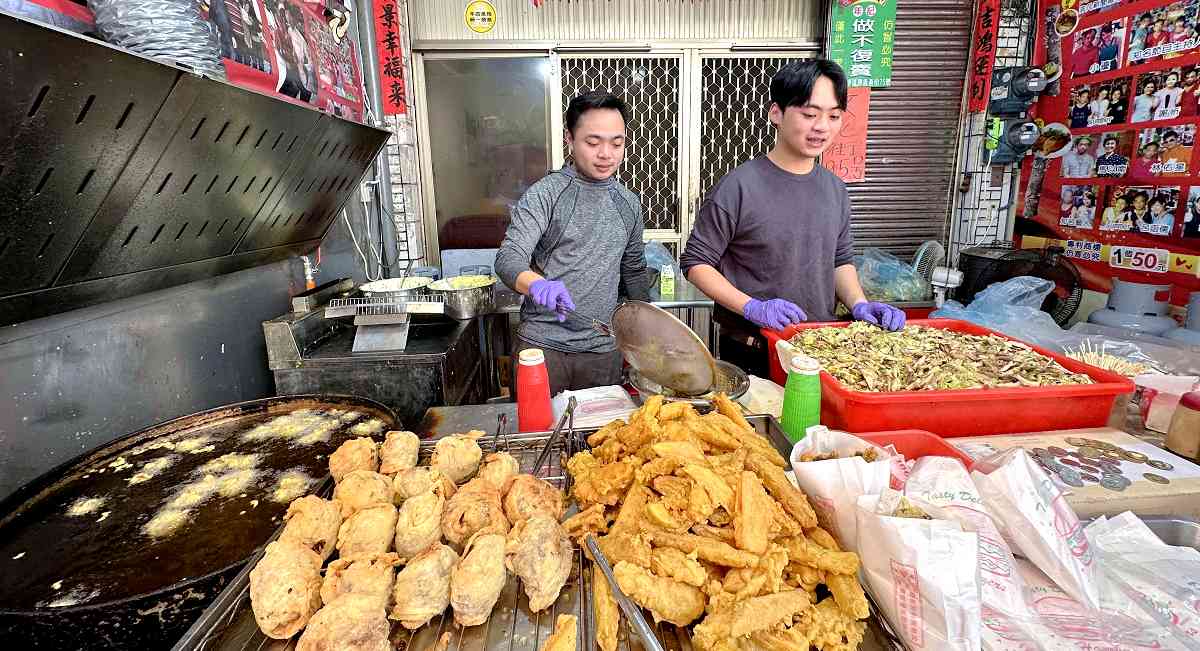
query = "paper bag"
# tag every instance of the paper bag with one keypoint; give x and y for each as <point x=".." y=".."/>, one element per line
<point x="833" y="486"/>
<point x="1037" y="522"/>
<point x="924" y="575"/>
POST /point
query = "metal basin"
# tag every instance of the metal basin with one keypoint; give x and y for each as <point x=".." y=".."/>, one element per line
<point x="393" y="289"/>
<point x="464" y="304"/>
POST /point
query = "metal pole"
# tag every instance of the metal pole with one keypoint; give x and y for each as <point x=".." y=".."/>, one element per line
<point x="363" y="30"/>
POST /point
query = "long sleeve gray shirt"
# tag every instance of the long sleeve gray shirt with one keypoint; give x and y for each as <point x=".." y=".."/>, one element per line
<point x="774" y="234"/>
<point x="586" y="234"/>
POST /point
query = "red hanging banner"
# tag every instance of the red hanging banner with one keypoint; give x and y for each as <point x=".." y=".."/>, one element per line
<point x="983" y="54"/>
<point x="391" y="60"/>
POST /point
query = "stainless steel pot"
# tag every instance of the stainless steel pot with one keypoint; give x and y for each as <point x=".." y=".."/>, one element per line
<point x="390" y="289"/>
<point x="464" y="304"/>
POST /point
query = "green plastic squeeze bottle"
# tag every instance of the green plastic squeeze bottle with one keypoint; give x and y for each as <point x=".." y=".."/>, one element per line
<point x="802" y="393"/>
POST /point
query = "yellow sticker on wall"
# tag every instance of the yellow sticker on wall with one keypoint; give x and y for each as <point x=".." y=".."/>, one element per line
<point x="480" y="16"/>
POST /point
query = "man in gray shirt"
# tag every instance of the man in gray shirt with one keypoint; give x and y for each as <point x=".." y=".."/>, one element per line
<point x="772" y="244"/>
<point x="576" y="240"/>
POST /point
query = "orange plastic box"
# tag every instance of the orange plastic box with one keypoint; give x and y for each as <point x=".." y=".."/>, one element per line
<point x="916" y="443"/>
<point x="963" y="412"/>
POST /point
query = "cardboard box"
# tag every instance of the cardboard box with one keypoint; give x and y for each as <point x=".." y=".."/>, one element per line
<point x="1180" y="497"/>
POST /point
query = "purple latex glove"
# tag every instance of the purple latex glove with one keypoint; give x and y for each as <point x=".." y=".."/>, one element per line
<point x="880" y="314"/>
<point x="775" y="314"/>
<point x="553" y="296"/>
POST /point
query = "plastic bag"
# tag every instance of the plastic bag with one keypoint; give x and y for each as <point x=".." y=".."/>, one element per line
<point x="1036" y="521"/>
<point x="923" y="574"/>
<point x="834" y="485"/>
<point x="885" y="278"/>
<point x="657" y="257"/>
<point x="1012" y="307"/>
<point x="1137" y="567"/>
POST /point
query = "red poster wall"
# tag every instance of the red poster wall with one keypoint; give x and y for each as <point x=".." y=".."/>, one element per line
<point x="1112" y="178"/>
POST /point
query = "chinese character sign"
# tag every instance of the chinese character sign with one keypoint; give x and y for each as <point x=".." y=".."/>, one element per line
<point x="983" y="54"/>
<point x="862" y="38"/>
<point x="391" y="58"/>
<point x="847" y="156"/>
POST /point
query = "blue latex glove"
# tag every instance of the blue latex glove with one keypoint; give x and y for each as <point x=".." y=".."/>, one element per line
<point x="775" y="314"/>
<point x="553" y="296"/>
<point x="880" y="314"/>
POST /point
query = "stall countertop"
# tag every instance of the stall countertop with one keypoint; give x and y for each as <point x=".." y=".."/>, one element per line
<point x="444" y="421"/>
<point x="686" y="295"/>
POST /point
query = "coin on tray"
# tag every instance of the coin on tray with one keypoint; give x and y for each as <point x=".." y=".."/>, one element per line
<point x="1113" y="483"/>
<point x="1076" y="441"/>
<point x="1071" y="477"/>
<point x="1090" y="477"/>
<point x="1158" y="479"/>
<point x="1088" y="452"/>
<point x="1113" y="455"/>
<point x="1136" y="457"/>
<point x="1160" y="465"/>
<point x="1057" y="451"/>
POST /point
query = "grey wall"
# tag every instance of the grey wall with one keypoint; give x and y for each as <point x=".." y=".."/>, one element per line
<point x="75" y="381"/>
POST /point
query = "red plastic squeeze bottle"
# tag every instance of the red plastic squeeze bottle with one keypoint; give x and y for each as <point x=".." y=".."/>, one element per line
<point x="534" y="413"/>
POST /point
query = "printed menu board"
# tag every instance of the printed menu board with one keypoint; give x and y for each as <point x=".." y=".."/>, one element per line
<point x="1112" y="179"/>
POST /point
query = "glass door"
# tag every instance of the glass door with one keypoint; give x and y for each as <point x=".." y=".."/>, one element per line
<point x="485" y="135"/>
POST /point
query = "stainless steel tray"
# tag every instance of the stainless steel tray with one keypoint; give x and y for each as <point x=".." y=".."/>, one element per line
<point x="228" y="624"/>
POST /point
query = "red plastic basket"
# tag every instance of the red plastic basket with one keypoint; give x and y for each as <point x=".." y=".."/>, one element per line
<point x="963" y="412"/>
<point x="916" y="443"/>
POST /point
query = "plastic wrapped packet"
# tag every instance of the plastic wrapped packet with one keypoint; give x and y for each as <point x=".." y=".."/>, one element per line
<point x="834" y="485"/>
<point x="1138" y="568"/>
<point x="885" y="277"/>
<point x="1033" y="515"/>
<point x="923" y="573"/>
<point x="595" y="407"/>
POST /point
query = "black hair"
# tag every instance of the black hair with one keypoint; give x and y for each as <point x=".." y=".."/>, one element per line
<point x="1171" y="134"/>
<point x="595" y="99"/>
<point x="793" y="84"/>
<point x="1111" y="139"/>
<point x="1106" y="29"/>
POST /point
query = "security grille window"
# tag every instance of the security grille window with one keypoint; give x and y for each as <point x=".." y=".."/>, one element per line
<point x="735" y="127"/>
<point x="650" y="87"/>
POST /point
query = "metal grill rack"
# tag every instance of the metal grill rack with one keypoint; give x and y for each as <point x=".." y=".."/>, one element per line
<point x="383" y="323"/>
<point x="229" y="625"/>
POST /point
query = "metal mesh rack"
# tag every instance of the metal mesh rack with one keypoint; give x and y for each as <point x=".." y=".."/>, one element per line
<point x="415" y="304"/>
<point x="229" y="625"/>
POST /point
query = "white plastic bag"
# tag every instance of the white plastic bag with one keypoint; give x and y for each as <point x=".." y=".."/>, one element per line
<point x="1139" y="568"/>
<point x="1035" y="519"/>
<point x="923" y="574"/>
<point x="833" y="486"/>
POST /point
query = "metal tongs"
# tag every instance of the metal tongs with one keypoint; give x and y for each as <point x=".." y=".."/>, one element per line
<point x="632" y="611"/>
<point x="596" y="324"/>
<point x="568" y="414"/>
<point x="501" y="438"/>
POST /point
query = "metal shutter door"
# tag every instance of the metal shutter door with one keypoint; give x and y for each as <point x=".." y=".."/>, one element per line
<point x="913" y="132"/>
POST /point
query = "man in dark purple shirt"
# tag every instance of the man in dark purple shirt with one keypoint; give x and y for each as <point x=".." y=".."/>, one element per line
<point x="772" y="243"/>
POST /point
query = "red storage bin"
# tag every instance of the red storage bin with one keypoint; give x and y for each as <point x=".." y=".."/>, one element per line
<point x="916" y="443"/>
<point x="963" y="412"/>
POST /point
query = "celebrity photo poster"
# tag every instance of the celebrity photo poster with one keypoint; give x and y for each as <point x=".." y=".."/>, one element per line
<point x="245" y="40"/>
<point x="339" y="80"/>
<point x="1111" y="178"/>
